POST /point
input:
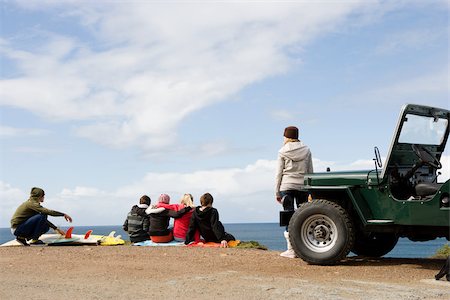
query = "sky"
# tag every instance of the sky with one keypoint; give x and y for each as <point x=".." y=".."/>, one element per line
<point x="102" y="102"/>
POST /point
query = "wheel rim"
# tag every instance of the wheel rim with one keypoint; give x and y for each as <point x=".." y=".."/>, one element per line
<point x="319" y="233"/>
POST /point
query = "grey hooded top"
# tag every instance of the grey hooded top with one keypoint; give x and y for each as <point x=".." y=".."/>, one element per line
<point x="294" y="161"/>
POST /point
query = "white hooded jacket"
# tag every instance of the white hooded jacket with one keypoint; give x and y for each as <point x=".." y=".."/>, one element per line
<point x="294" y="161"/>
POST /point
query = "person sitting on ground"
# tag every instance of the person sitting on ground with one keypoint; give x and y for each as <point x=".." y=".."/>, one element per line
<point x="137" y="223"/>
<point x="206" y="219"/>
<point x="29" y="221"/>
<point x="181" y="225"/>
<point x="159" y="220"/>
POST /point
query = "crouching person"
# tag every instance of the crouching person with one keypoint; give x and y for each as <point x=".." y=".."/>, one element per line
<point x="29" y="221"/>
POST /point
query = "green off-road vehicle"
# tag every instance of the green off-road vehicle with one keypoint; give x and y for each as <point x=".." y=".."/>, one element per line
<point x="366" y="212"/>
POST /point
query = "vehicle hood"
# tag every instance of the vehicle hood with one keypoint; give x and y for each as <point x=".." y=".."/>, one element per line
<point x="345" y="178"/>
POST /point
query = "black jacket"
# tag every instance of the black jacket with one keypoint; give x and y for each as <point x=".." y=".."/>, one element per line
<point x="207" y="222"/>
<point x="137" y="224"/>
<point x="159" y="222"/>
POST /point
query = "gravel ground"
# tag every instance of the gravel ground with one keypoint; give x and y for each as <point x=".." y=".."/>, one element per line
<point x="126" y="272"/>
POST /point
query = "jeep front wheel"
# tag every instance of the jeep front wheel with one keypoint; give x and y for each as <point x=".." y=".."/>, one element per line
<point x="321" y="232"/>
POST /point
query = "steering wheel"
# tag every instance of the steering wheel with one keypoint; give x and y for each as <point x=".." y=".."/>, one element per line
<point x="426" y="157"/>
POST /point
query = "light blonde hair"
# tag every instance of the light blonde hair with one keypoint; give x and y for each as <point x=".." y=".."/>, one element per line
<point x="187" y="200"/>
<point x="289" y="140"/>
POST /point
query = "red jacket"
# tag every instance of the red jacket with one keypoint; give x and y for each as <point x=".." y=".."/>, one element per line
<point x="180" y="225"/>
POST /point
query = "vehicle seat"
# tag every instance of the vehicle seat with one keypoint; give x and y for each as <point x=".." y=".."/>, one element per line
<point x="427" y="188"/>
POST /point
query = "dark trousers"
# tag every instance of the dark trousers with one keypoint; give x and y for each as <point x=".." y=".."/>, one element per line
<point x="445" y="270"/>
<point x="290" y="196"/>
<point x="293" y="195"/>
<point x="33" y="228"/>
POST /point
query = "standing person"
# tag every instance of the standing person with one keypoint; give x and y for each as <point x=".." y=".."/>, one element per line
<point x="206" y="219"/>
<point x="137" y="223"/>
<point x="159" y="220"/>
<point x="294" y="161"/>
<point x="29" y="221"/>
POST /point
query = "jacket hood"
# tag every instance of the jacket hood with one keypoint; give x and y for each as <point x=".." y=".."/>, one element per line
<point x="36" y="193"/>
<point x="294" y="151"/>
<point x="138" y="210"/>
<point x="203" y="214"/>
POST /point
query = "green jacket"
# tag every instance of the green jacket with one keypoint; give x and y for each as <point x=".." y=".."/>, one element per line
<point x="30" y="208"/>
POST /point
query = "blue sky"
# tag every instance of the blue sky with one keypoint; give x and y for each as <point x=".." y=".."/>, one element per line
<point x="104" y="102"/>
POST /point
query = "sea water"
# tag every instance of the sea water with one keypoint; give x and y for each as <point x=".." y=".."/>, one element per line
<point x="269" y="235"/>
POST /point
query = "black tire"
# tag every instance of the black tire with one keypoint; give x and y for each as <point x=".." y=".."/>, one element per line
<point x="374" y="244"/>
<point x="321" y="232"/>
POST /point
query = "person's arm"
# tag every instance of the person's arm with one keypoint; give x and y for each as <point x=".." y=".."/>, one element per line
<point x="216" y="225"/>
<point x="190" y="234"/>
<point x="218" y="229"/>
<point x="310" y="168"/>
<point x="178" y="214"/>
<point x="151" y="210"/>
<point x="125" y="225"/>
<point x="42" y="210"/>
<point x="278" y="177"/>
<point x="146" y="225"/>
<point x="55" y="228"/>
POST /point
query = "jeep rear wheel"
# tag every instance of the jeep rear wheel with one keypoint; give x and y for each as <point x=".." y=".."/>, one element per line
<point x="374" y="244"/>
<point x="321" y="232"/>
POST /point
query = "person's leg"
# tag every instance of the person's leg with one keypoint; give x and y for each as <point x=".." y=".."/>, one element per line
<point x="300" y="197"/>
<point x="288" y="204"/>
<point x="445" y="270"/>
<point x="229" y="237"/>
<point x="287" y="199"/>
<point x="32" y="228"/>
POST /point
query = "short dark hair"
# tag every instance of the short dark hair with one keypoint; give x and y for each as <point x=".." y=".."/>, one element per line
<point x="145" y="200"/>
<point x="206" y="199"/>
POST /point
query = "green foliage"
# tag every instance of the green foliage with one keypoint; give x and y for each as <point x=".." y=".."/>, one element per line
<point x="251" y="245"/>
<point x="442" y="252"/>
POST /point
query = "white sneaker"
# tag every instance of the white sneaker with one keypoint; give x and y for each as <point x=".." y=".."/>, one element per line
<point x="289" y="254"/>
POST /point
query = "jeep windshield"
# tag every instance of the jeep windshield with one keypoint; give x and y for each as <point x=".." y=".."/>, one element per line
<point x="414" y="158"/>
<point x="423" y="130"/>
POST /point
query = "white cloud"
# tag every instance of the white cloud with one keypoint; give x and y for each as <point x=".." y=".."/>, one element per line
<point x="445" y="170"/>
<point x="158" y="62"/>
<point x="10" y="197"/>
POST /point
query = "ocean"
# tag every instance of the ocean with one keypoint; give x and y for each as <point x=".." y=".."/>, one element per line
<point x="269" y="235"/>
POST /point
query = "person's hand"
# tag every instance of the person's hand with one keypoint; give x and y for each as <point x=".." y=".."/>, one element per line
<point x="68" y="218"/>
<point x="278" y="199"/>
<point x="60" y="231"/>
<point x="223" y="244"/>
<point x="188" y="208"/>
